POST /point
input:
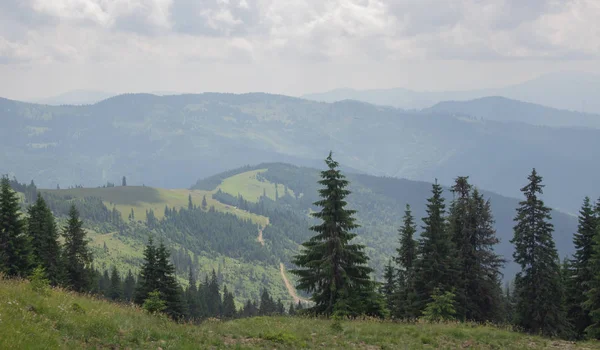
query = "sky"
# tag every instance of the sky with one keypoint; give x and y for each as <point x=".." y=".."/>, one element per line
<point x="291" y="47"/>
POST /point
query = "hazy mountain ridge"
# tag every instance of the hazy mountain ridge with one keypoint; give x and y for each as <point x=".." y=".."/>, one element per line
<point x="170" y="141"/>
<point x="565" y="90"/>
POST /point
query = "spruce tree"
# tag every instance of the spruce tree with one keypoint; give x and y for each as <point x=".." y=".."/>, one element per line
<point x="148" y="280"/>
<point x="43" y="233"/>
<point x="267" y="305"/>
<point x="406" y="259"/>
<point x="580" y="270"/>
<point x="538" y="287"/>
<point x="190" y="203"/>
<point x="228" y="304"/>
<point x="77" y="256"/>
<point x="167" y="283"/>
<point x="330" y="267"/>
<point x="115" y="291"/>
<point x="191" y="296"/>
<point x="214" y="302"/>
<point x="15" y="246"/>
<point x="436" y="265"/>
<point x="129" y="287"/>
<point x="388" y="289"/>
<point x="592" y="294"/>
<point x="204" y="203"/>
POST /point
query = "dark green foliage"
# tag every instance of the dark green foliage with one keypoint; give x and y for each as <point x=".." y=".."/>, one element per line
<point x="115" y="291"/>
<point x="191" y="296"/>
<point x="204" y="203"/>
<point x="538" y="288"/>
<point x="330" y="267"/>
<point x="42" y="230"/>
<point x="436" y="265"/>
<point x="579" y="272"/>
<point x="76" y="255"/>
<point x="154" y="304"/>
<point x="592" y="294"/>
<point x="228" y="304"/>
<point x="129" y="287"/>
<point x="441" y="307"/>
<point x="213" y="299"/>
<point x="15" y="246"/>
<point x="406" y="259"/>
<point x="389" y="287"/>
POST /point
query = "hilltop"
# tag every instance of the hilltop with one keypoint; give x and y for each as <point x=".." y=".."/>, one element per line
<point x="64" y="320"/>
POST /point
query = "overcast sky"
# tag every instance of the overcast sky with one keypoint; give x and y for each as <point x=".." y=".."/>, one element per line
<point x="289" y="46"/>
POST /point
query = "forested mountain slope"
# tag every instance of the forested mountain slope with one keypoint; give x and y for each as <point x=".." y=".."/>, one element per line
<point x="169" y="141"/>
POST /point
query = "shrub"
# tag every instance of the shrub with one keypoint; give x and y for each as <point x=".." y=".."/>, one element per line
<point x="38" y="281"/>
<point x="154" y="304"/>
<point x="441" y="308"/>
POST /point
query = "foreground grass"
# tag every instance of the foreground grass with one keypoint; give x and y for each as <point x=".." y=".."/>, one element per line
<point x="64" y="320"/>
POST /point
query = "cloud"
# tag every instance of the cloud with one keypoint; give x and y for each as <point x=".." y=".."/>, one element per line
<point x="299" y="30"/>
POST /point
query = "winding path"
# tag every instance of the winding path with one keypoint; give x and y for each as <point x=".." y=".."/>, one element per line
<point x="290" y="288"/>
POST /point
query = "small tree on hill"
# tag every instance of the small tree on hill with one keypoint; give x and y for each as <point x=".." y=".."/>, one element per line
<point x="441" y="308"/>
<point x="204" y="203"/>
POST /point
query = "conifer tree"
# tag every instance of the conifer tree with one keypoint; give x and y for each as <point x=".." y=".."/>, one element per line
<point x="579" y="272"/>
<point x="124" y="181"/>
<point x="167" y="283"/>
<point x="291" y="310"/>
<point x="77" y="256"/>
<point x="15" y="246"/>
<point x="214" y="302"/>
<point x="330" y="267"/>
<point x="43" y="233"/>
<point x="592" y="294"/>
<point x="267" y="305"/>
<point x="129" y="287"/>
<point x="115" y="292"/>
<point x="538" y="286"/>
<point x="191" y="296"/>
<point x="388" y="289"/>
<point x="436" y="265"/>
<point x="104" y="284"/>
<point x="148" y="280"/>
<point x="228" y="304"/>
<point x="204" y="203"/>
<point x="190" y="203"/>
<point x="406" y="259"/>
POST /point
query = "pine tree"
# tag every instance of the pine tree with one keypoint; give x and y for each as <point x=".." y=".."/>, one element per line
<point x="267" y="305"/>
<point x="104" y="284"/>
<point x="191" y="296"/>
<point x="115" y="292"/>
<point x="330" y="267"/>
<point x="388" y="289"/>
<point x="167" y="283"/>
<point x="43" y="233"/>
<point x="204" y="203"/>
<point x="190" y="203"/>
<point x="129" y="287"/>
<point x="77" y="256"/>
<point x="291" y="310"/>
<point x="148" y="280"/>
<point x="579" y="272"/>
<point x="15" y="246"/>
<point x="406" y="259"/>
<point x="436" y="265"/>
<point x="228" y="304"/>
<point x="538" y="287"/>
<point x="592" y="301"/>
<point x="214" y="302"/>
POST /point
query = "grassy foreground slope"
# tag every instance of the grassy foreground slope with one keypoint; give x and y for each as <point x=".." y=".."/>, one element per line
<point x="64" y="320"/>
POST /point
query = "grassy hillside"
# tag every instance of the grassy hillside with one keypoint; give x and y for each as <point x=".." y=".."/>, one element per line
<point x="64" y="320"/>
<point x="143" y="198"/>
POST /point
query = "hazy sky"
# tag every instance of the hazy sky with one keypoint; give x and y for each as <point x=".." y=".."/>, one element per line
<point x="289" y="46"/>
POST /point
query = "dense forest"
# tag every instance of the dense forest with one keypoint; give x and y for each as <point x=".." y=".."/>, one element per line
<point x="445" y="265"/>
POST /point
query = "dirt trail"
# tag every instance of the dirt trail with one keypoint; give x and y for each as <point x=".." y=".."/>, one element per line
<point x="290" y="288"/>
<point x="260" y="236"/>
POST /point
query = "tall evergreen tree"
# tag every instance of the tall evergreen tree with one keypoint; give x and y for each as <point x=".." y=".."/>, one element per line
<point x="436" y="265"/>
<point x="129" y="287"/>
<point x="148" y="280"/>
<point x="267" y="305"/>
<point x="204" y="203"/>
<point x="167" y="283"/>
<point x="330" y="267"/>
<point x="77" y="256"/>
<point x="190" y="203"/>
<point x="228" y="304"/>
<point x="592" y="301"/>
<point x="406" y="259"/>
<point x="538" y="287"/>
<point x="191" y="296"/>
<point x="115" y="291"/>
<point x="42" y="230"/>
<point x="388" y="289"/>
<point x="15" y="246"/>
<point x="214" y="302"/>
<point x="580" y="270"/>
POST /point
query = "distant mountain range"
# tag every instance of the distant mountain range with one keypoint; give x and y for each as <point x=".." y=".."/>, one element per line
<point x="85" y="97"/>
<point x="170" y="141"/>
<point x="566" y="90"/>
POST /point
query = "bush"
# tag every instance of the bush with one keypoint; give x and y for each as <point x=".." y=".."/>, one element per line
<point x="154" y="304"/>
<point x="38" y="281"/>
<point x="441" y="308"/>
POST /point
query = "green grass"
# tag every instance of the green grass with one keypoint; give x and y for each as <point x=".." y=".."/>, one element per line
<point x="65" y="320"/>
<point x="250" y="187"/>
